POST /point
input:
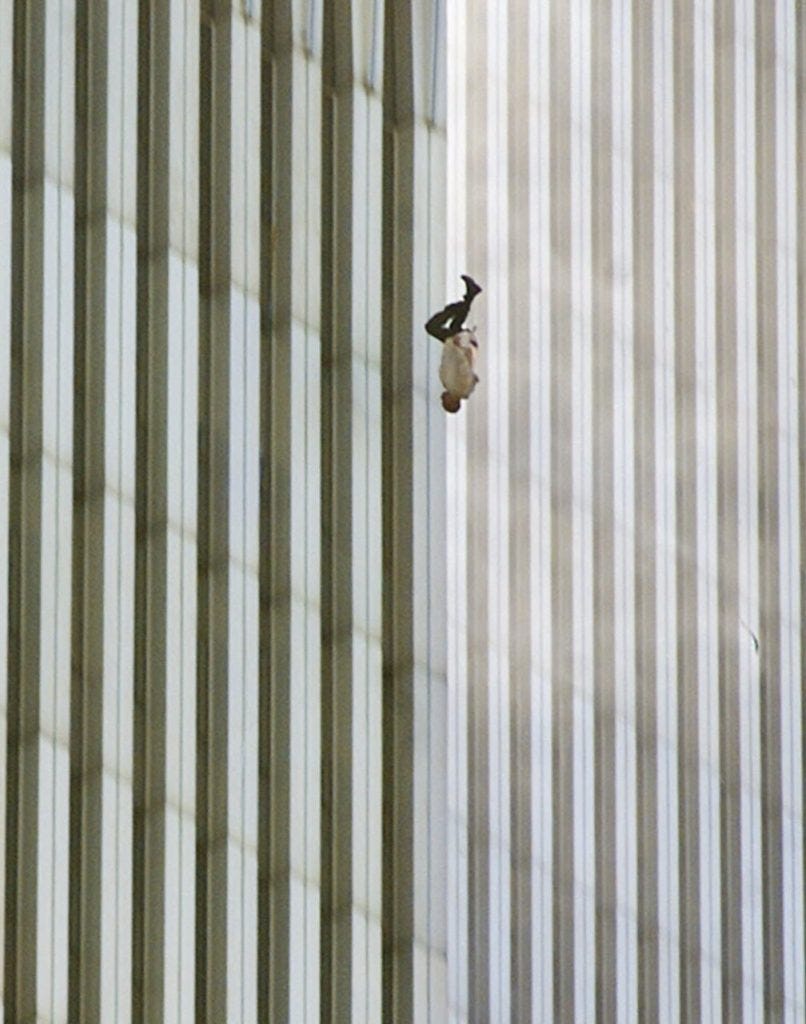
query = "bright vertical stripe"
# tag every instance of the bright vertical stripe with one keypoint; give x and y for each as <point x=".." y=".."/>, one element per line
<point x="476" y="540"/>
<point x="180" y="703"/>
<point x="243" y="677"/>
<point x="790" y="351"/>
<point x="709" y="853"/>
<point x="770" y="514"/>
<point x="497" y="372"/>
<point x="181" y="498"/>
<point x="456" y="460"/>
<point x="55" y="624"/>
<point x="116" y="881"/>
<point x="747" y="491"/>
<point x="244" y="513"/>
<point x="119" y="519"/>
<point x="540" y="292"/>
<point x="56" y="524"/>
<point x="624" y="528"/>
<point x="581" y="513"/>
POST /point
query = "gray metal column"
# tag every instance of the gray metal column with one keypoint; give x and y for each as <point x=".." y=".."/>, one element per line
<point x="415" y="693"/>
<point x="354" y="332"/>
<point x="290" y="561"/>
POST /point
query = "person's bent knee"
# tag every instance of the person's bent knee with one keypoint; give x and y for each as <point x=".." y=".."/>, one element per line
<point x="440" y="333"/>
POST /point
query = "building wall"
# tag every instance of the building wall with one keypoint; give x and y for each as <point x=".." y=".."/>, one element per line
<point x="222" y="622"/>
<point x="626" y="512"/>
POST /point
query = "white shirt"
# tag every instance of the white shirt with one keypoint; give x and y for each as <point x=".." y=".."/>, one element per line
<point x="457" y="369"/>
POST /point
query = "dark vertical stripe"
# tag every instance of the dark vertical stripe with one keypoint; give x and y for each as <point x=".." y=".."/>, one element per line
<point x="87" y="627"/>
<point x="398" y="728"/>
<point x="605" y="679"/>
<point x="148" y="854"/>
<point x="686" y="516"/>
<point x="480" y="913"/>
<point x="24" y="510"/>
<point x="275" y="546"/>
<point x="727" y="513"/>
<point x="520" y="612"/>
<point x="397" y="504"/>
<point x="275" y="516"/>
<point x="212" y="646"/>
<point x="336" y="959"/>
<point x="645" y="354"/>
<point x="274" y="482"/>
<point x="769" y="522"/>
<point x="334" y="608"/>
<point x="563" y="809"/>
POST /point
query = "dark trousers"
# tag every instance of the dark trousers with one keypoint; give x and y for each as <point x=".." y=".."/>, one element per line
<point x="449" y="321"/>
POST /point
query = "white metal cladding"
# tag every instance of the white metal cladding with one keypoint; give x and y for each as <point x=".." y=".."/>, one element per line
<point x="626" y="512"/>
<point x="313" y="707"/>
<point x="223" y="683"/>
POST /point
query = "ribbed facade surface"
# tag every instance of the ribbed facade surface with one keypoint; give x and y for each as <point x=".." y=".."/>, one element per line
<point x="627" y="512"/>
<point x="223" y="681"/>
<point x="318" y="705"/>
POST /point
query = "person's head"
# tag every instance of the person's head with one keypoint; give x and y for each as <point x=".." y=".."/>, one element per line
<point x="450" y="403"/>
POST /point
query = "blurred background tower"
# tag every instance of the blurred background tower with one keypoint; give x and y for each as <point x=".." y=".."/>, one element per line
<point x="626" y="512"/>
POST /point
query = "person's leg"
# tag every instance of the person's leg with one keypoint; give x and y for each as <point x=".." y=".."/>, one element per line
<point x="455" y="312"/>
<point x="471" y="288"/>
<point x="463" y="310"/>
<point x="442" y="324"/>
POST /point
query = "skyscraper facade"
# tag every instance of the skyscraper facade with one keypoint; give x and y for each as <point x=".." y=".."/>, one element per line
<point x="626" y="511"/>
<point x="319" y="705"/>
<point x="223" y="686"/>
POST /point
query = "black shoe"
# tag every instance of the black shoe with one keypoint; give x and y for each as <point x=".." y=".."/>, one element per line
<point x="472" y="289"/>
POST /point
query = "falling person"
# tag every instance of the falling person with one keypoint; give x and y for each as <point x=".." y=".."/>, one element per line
<point x="459" y="347"/>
